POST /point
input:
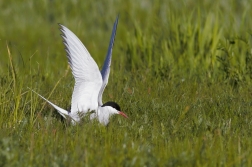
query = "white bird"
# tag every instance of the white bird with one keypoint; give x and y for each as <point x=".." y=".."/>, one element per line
<point x="89" y="81"/>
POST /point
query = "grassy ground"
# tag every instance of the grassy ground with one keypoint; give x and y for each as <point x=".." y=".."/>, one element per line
<point x="181" y="71"/>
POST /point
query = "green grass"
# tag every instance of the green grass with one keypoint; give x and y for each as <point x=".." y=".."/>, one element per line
<point x="181" y="71"/>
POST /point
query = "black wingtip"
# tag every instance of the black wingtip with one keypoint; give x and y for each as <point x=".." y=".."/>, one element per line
<point x="116" y="21"/>
<point x="60" y="26"/>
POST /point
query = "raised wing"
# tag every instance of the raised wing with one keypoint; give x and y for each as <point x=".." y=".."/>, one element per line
<point x="88" y="79"/>
<point x="106" y="66"/>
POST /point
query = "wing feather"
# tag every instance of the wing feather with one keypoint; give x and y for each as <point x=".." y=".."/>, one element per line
<point x="106" y="66"/>
<point x="88" y="79"/>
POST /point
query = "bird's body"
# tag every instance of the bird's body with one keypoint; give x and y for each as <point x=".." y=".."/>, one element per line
<point x="89" y="81"/>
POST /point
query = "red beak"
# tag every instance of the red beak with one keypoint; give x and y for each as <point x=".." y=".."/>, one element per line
<point x="122" y="113"/>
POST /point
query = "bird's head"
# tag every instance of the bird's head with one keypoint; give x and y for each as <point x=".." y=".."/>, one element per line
<point x="113" y="108"/>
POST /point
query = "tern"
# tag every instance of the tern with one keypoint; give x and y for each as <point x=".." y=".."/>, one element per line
<point x="89" y="81"/>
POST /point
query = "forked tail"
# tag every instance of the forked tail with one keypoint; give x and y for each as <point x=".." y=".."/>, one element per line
<point x="61" y="111"/>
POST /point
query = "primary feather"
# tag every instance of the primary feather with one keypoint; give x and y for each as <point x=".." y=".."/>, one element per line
<point x="88" y="79"/>
<point x="106" y="66"/>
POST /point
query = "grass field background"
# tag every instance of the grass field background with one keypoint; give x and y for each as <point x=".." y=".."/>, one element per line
<point x="181" y="71"/>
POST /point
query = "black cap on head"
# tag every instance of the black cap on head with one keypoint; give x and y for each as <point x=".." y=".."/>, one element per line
<point x="112" y="104"/>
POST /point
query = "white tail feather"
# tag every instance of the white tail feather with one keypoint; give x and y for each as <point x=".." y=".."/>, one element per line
<point x="61" y="111"/>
